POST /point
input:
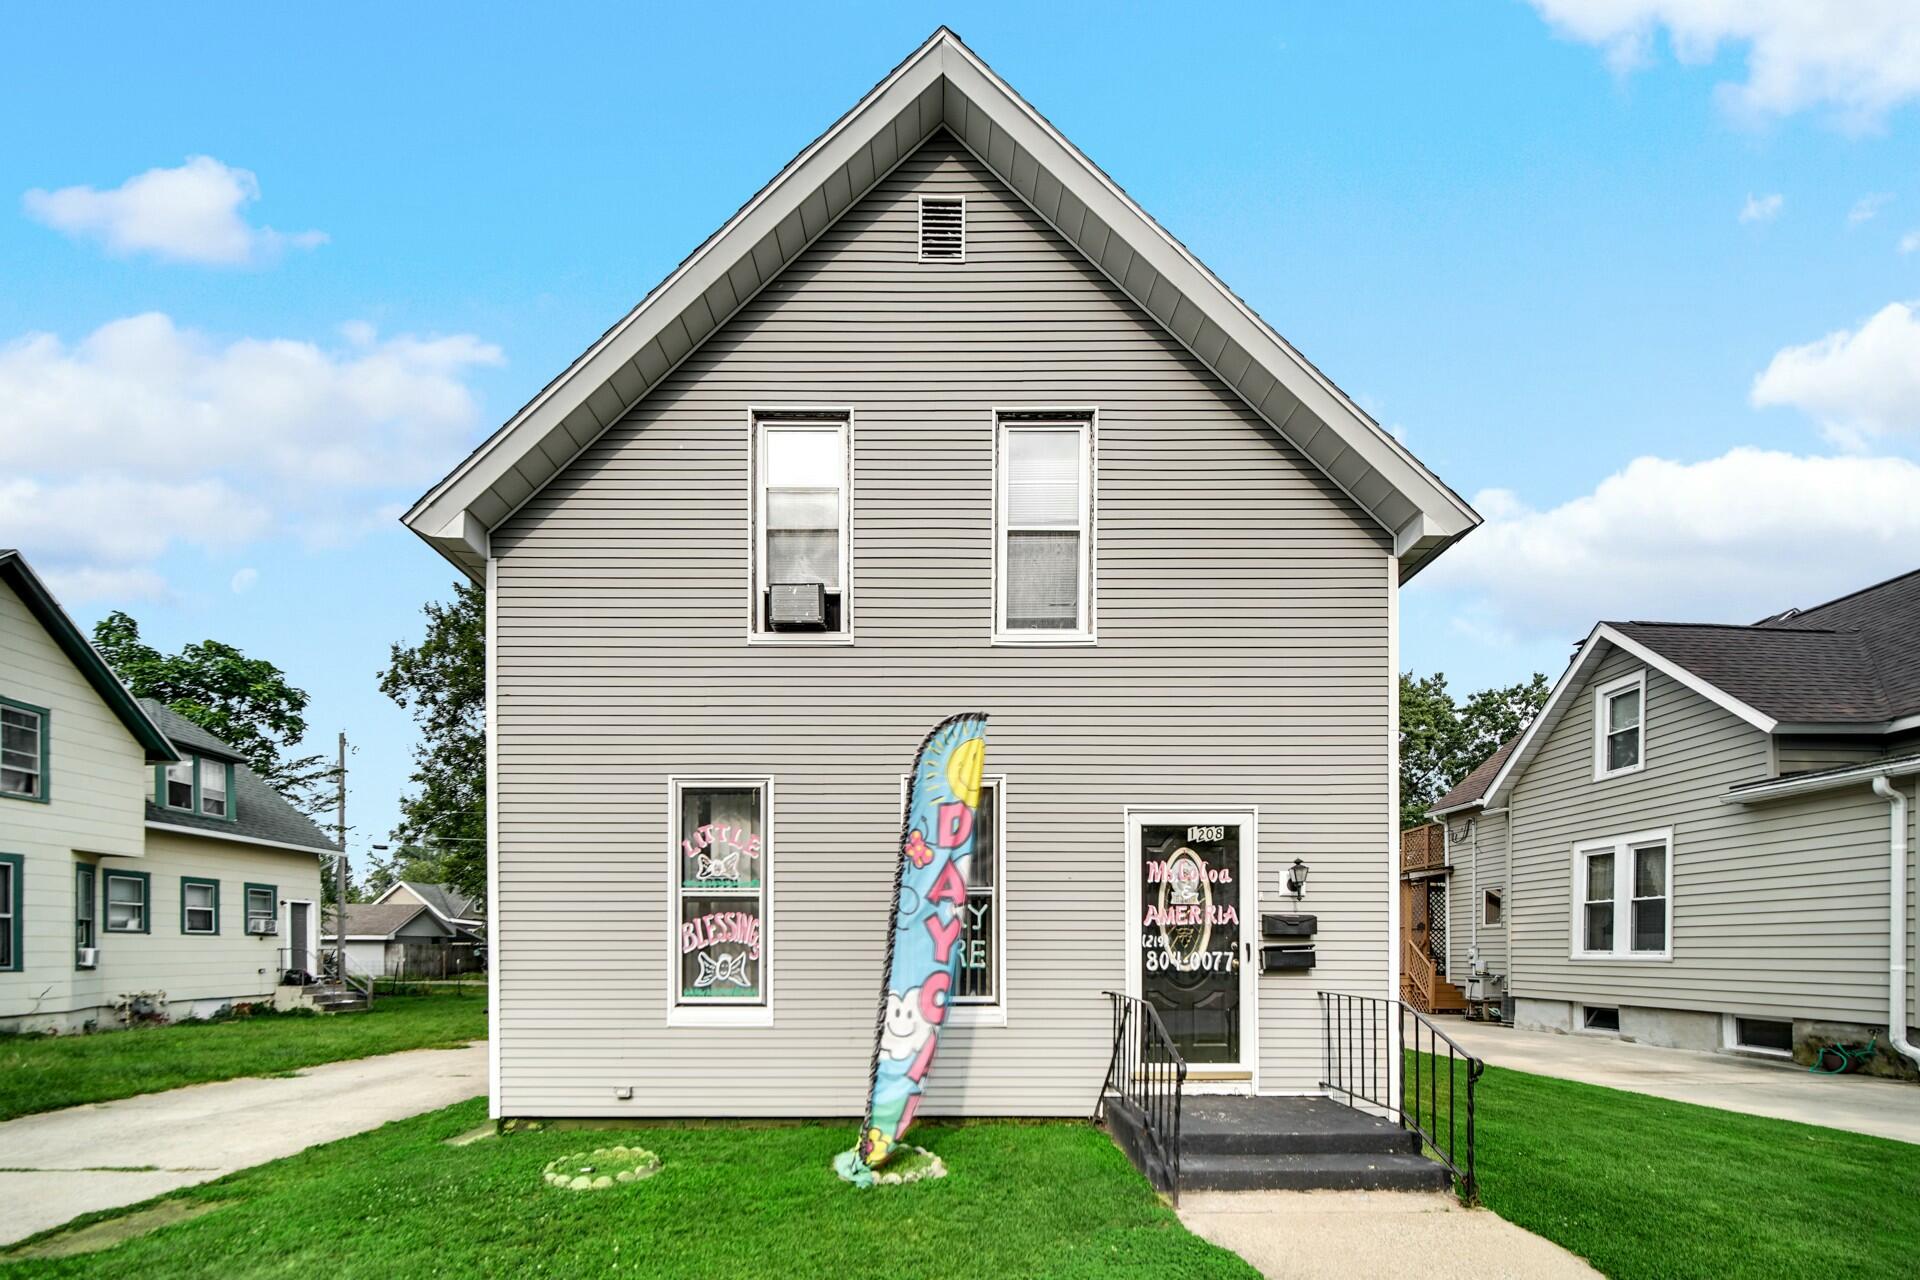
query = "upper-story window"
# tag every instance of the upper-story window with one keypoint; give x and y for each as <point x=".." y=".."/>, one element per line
<point x="23" y="750"/>
<point x="198" y="784"/>
<point x="1044" y="552"/>
<point x="1620" y="726"/>
<point x="802" y="515"/>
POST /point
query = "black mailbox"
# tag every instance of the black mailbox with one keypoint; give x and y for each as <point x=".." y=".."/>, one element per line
<point x="1284" y="926"/>
<point x="1285" y="959"/>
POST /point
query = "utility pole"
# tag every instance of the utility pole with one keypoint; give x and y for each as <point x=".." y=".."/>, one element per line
<point x="340" y="867"/>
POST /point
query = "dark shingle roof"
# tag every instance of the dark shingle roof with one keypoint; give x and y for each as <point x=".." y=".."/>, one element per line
<point x="1855" y="660"/>
<point x="445" y="899"/>
<point x="377" y="919"/>
<point x="259" y="812"/>
<point x="1475" y="784"/>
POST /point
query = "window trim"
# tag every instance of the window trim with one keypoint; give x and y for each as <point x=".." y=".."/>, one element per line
<point x="16" y="925"/>
<point x="46" y="752"/>
<point x="146" y="900"/>
<point x="720" y="1013"/>
<point x="1623" y="848"/>
<point x="197" y="807"/>
<point x="200" y="882"/>
<point x="1087" y="419"/>
<point x="976" y="1012"/>
<point x="1602" y="729"/>
<point x="798" y="415"/>
<point x="273" y="909"/>
<point x="1489" y="897"/>
<point x="90" y="873"/>
<point x="919" y="232"/>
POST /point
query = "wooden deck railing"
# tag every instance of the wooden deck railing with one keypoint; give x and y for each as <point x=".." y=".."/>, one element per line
<point x="1423" y="848"/>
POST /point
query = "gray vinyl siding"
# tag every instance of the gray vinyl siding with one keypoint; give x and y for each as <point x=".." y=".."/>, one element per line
<point x="1243" y="611"/>
<point x="1805" y="754"/>
<point x="1780" y="910"/>
<point x="1484" y="842"/>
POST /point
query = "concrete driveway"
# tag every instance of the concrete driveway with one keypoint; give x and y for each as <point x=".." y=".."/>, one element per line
<point x="1782" y="1090"/>
<point x="56" y="1166"/>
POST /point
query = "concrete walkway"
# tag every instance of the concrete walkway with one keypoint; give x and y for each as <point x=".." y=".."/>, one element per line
<point x="56" y="1166"/>
<point x="1342" y="1234"/>
<point x="1782" y="1090"/>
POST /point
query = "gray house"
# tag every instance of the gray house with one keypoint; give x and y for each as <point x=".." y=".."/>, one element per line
<point x="1704" y="839"/>
<point x="939" y="420"/>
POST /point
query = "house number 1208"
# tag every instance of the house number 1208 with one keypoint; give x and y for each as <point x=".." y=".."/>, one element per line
<point x="1196" y="835"/>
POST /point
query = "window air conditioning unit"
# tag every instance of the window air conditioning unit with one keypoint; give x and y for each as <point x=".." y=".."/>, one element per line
<point x="262" y="925"/>
<point x="87" y="957"/>
<point x="795" y="605"/>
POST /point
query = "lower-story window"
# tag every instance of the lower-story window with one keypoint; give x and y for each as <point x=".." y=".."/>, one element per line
<point x="12" y="868"/>
<point x="199" y="905"/>
<point x="1623" y="897"/>
<point x="982" y="976"/>
<point x="84" y="897"/>
<point x="127" y="899"/>
<point x="721" y="858"/>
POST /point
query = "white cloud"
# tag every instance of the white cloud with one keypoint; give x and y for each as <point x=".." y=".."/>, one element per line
<point x="190" y="214"/>
<point x="1868" y="207"/>
<point x="1910" y="242"/>
<point x="1762" y="208"/>
<point x="1860" y="60"/>
<point x="1857" y="384"/>
<point x="244" y="581"/>
<point x="142" y="437"/>
<point x="1729" y="539"/>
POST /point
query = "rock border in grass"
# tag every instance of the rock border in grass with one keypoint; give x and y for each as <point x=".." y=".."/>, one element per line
<point x="910" y="1164"/>
<point x="601" y="1168"/>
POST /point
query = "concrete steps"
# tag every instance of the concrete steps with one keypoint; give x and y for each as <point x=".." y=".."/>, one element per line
<point x="1287" y="1144"/>
<point x="328" y="998"/>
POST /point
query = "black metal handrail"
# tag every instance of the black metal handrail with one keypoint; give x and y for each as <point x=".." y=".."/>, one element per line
<point x="1360" y="1036"/>
<point x="1146" y="1074"/>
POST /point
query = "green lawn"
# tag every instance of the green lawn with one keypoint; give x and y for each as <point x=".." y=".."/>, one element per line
<point x="44" y="1073"/>
<point x="1019" y="1200"/>
<point x="1643" y="1187"/>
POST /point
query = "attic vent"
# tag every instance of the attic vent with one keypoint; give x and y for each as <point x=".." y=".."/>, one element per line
<point x="943" y="229"/>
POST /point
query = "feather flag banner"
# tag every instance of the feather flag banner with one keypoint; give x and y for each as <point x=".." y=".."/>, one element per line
<point x="923" y="948"/>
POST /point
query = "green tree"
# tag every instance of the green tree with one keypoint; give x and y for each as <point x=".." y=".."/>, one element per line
<point x="245" y="702"/>
<point x="1443" y="740"/>
<point x="443" y="682"/>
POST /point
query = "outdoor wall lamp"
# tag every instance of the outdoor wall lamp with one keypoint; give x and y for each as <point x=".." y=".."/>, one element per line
<point x="1297" y="879"/>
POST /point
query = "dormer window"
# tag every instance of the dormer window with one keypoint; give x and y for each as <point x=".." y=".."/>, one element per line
<point x="197" y="784"/>
<point x="1619" y="726"/>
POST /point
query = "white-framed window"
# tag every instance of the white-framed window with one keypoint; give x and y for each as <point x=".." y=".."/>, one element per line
<point x="980" y="992"/>
<point x="720" y="859"/>
<point x="23" y="750"/>
<point x="1043" y="545"/>
<point x="1623" y="897"/>
<point x="802" y="518"/>
<point x="1620" y="726"/>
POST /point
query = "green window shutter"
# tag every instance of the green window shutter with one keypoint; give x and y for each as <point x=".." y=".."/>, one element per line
<point x="13" y="892"/>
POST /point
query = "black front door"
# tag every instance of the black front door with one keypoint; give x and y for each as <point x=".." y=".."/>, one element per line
<point x="1189" y="934"/>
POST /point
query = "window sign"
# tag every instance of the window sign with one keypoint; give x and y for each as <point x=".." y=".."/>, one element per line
<point x="721" y="893"/>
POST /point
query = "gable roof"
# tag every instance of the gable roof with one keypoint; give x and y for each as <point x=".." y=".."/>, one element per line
<point x="941" y="85"/>
<point x="261" y="815"/>
<point x="18" y="574"/>
<point x="1470" y="789"/>
<point x="444" y="900"/>
<point x="1851" y="665"/>
<point x="379" y="919"/>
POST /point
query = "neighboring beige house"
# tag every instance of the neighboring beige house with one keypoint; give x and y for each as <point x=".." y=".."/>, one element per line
<point x="413" y="930"/>
<point x="1706" y="839"/>
<point x="940" y="420"/>
<point x="145" y="871"/>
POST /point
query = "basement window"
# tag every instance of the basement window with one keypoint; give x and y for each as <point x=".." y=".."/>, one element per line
<point x="943" y="229"/>
<point x="1765" y="1035"/>
<point x="1594" y="1018"/>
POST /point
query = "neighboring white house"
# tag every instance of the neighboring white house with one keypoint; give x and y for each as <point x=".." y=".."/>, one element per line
<point x="1706" y="838"/>
<point x="145" y="870"/>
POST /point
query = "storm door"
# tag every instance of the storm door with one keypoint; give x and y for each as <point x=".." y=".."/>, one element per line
<point x="1191" y="885"/>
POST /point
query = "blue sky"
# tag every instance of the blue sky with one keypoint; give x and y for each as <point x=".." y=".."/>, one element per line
<point x="1630" y="277"/>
